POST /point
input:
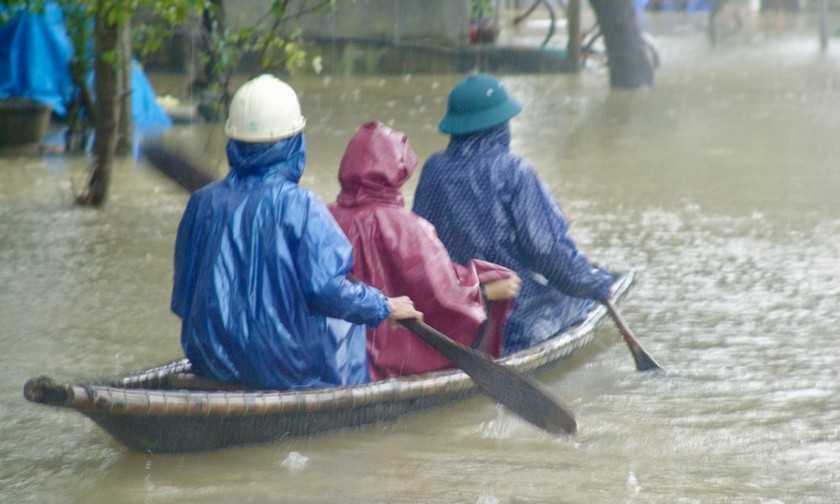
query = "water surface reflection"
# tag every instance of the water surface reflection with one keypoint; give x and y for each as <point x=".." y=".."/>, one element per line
<point x="719" y="186"/>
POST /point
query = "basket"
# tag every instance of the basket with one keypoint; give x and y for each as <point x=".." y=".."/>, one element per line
<point x="22" y="121"/>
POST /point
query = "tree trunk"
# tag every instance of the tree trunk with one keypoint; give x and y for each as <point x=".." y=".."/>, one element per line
<point x="80" y="112"/>
<point x="107" y="88"/>
<point x="125" y="138"/>
<point x="573" y="46"/>
<point x="628" y="63"/>
<point x="212" y="83"/>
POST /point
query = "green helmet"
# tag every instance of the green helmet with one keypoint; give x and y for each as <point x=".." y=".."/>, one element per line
<point x="477" y="103"/>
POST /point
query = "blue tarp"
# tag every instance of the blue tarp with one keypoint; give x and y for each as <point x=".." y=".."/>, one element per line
<point x="687" y="5"/>
<point x="34" y="56"/>
<point x="35" y="53"/>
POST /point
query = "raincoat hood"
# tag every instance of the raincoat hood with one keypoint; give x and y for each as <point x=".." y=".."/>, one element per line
<point x="496" y="138"/>
<point x="377" y="162"/>
<point x="252" y="163"/>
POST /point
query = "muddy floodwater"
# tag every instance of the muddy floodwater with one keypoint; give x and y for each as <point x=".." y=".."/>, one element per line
<point x="720" y="187"/>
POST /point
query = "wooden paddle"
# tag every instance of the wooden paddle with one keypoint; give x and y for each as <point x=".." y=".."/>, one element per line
<point x="175" y="166"/>
<point x="644" y="361"/>
<point x="519" y="393"/>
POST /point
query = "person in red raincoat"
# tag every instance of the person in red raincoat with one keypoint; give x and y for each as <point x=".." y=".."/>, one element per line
<point x="399" y="253"/>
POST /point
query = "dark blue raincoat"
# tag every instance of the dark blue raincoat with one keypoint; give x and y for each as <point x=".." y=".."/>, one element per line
<point x="489" y="204"/>
<point x="259" y="266"/>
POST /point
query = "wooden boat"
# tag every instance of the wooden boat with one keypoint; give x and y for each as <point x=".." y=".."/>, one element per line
<point x="168" y="409"/>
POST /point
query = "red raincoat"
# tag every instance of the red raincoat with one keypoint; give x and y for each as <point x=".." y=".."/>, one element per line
<point x="399" y="253"/>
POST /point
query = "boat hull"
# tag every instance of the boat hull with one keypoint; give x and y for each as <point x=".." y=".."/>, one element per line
<point x="169" y="410"/>
<point x="179" y="434"/>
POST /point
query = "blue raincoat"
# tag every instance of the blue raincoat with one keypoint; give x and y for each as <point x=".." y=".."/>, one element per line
<point x="489" y="204"/>
<point x="259" y="266"/>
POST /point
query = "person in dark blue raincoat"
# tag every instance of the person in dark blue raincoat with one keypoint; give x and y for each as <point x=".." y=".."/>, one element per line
<point x="261" y="265"/>
<point x="490" y="204"/>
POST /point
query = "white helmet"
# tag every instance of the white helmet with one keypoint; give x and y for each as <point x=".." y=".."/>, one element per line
<point x="264" y="109"/>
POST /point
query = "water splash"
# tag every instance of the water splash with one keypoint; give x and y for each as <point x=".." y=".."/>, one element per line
<point x="295" y="462"/>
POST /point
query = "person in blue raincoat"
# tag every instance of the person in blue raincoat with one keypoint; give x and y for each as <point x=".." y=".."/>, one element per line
<point x="490" y="204"/>
<point x="261" y="266"/>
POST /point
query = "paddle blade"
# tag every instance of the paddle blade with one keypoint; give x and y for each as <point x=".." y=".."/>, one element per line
<point x="644" y="361"/>
<point x="519" y="393"/>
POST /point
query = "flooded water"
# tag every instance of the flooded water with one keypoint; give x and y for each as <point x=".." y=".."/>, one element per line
<point x="720" y="187"/>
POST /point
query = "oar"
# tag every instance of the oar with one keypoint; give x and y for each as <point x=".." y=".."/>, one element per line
<point x="644" y="361"/>
<point x="517" y="392"/>
<point x="520" y="394"/>
<point x="175" y="166"/>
